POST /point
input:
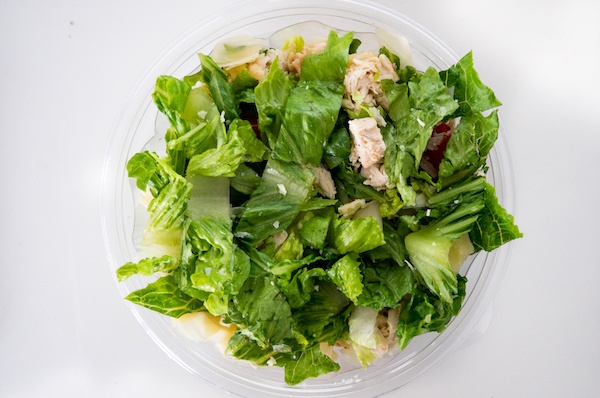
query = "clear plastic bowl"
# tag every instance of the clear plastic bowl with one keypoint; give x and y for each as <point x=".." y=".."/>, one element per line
<point x="140" y="127"/>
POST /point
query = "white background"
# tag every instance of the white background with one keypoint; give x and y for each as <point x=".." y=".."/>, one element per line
<point x="66" y="68"/>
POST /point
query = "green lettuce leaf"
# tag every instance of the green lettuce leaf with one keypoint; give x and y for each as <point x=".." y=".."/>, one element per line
<point x="221" y="161"/>
<point x="208" y="134"/>
<point x="266" y="315"/>
<point x="393" y="248"/>
<point x="386" y="284"/>
<point x="147" y="266"/>
<point x="429" y="248"/>
<point x="164" y="296"/>
<point x="271" y="96"/>
<point x="358" y="235"/>
<point x="243" y="347"/>
<point x="255" y="149"/>
<point x="314" y="230"/>
<point x="276" y="202"/>
<point x="299" y="289"/>
<point x="324" y="317"/>
<point x="311" y="113"/>
<point x="308" y="363"/>
<point x="314" y="104"/>
<point x="426" y="313"/>
<point x="246" y="180"/>
<point x="346" y="274"/>
<point x="473" y="96"/>
<point x="168" y="206"/>
<point x="468" y="146"/>
<point x="211" y="267"/>
<point x="220" y="88"/>
<point x="337" y="150"/>
<point x="495" y="226"/>
<point x="330" y="64"/>
<point x="415" y="108"/>
<point x="243" y="87"/>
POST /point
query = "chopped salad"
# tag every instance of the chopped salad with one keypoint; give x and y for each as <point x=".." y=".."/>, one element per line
<point x="316" y="200"/>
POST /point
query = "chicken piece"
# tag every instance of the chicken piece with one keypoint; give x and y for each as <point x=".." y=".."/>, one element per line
<point x="349" y="209"/>
<point x="324" y="182"/>
<point x="290" y="60"/>
<point x="362" y="83"/>
<point x="367" y="141"/>
<point x="375" y="176"/>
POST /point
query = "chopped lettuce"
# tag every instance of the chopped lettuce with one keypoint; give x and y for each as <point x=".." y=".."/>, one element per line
<point x="313" y="106"/>
<point x="276" y="202"/>
<point x="415" y="108"/>
<point x="239" y="224"/>
<point x="345" y="273"/>
<point x="495" y="226"/>
<point x="270" y="97"/>
<point x="147" y="266"/>
<point x="358" y="235"/>
<point x="164" y="296"/>
<point x="472" y="95"/>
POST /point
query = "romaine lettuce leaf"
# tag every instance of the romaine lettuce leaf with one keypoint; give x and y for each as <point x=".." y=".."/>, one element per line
<point x="314" y="230"/>
<point x="495" y="226"/>
<point x="211" y="267"/>
<point x="271" y="96"/>
<point x="426" y="313"/>
<point x="243" y="87"/>
<point x="167" y="209"/>
<point x="300" y="288"/>
<point x="311" y="113"/>
<point x="170" y="96"/>
<point x="147" y="266"/>
<point x="473" y="96"/>
<point x="208" y="134"/>
<point x="246" y="180"/>
<point x="266" y="315"/>
<point x="468" y="146"/>
<point x="242" y="346"/>
<point x="415" y="108"/>
<point x="429" y="248"/>
<point x="337" y="150"/>
<point x="358" y="235"/>
<point x="346" y="274"/>
<point x="323" y="317"/>
<point x="255" y="149"/>
<point x="220" y="88"/>
<point x="393" y="248"/>
<point x="385" y="284"/>
<point x="330" y="64"/>
<point x="164" y="296"/>
<point x="283" y="268"/>
<point x="221" y="161"/>
<point x="276" y="202"/>
<point x="308" y="363"/>
<point x="314" y="104"/>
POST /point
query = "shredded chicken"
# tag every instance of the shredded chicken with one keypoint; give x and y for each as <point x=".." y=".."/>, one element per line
<point x="259" y="68"/>
<point x="349" y="209"/>
<point x="375" y="176"/>
<point x="362" y="83"/>
<point x="290" y="60"/>
<point x="367" y="141"/>
<point x="279" y="238"/>
<point x="324" y="182"/>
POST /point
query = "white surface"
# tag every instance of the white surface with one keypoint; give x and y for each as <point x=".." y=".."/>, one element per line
<point x="65" y="70"/>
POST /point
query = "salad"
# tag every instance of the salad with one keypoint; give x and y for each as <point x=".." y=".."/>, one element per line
<point x="316" y="201"/>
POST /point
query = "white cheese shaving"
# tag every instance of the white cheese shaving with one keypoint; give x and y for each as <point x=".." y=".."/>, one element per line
<point x="282" y="189"/>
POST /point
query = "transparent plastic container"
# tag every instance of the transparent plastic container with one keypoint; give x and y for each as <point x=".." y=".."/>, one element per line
<point x="140" y="127"/>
